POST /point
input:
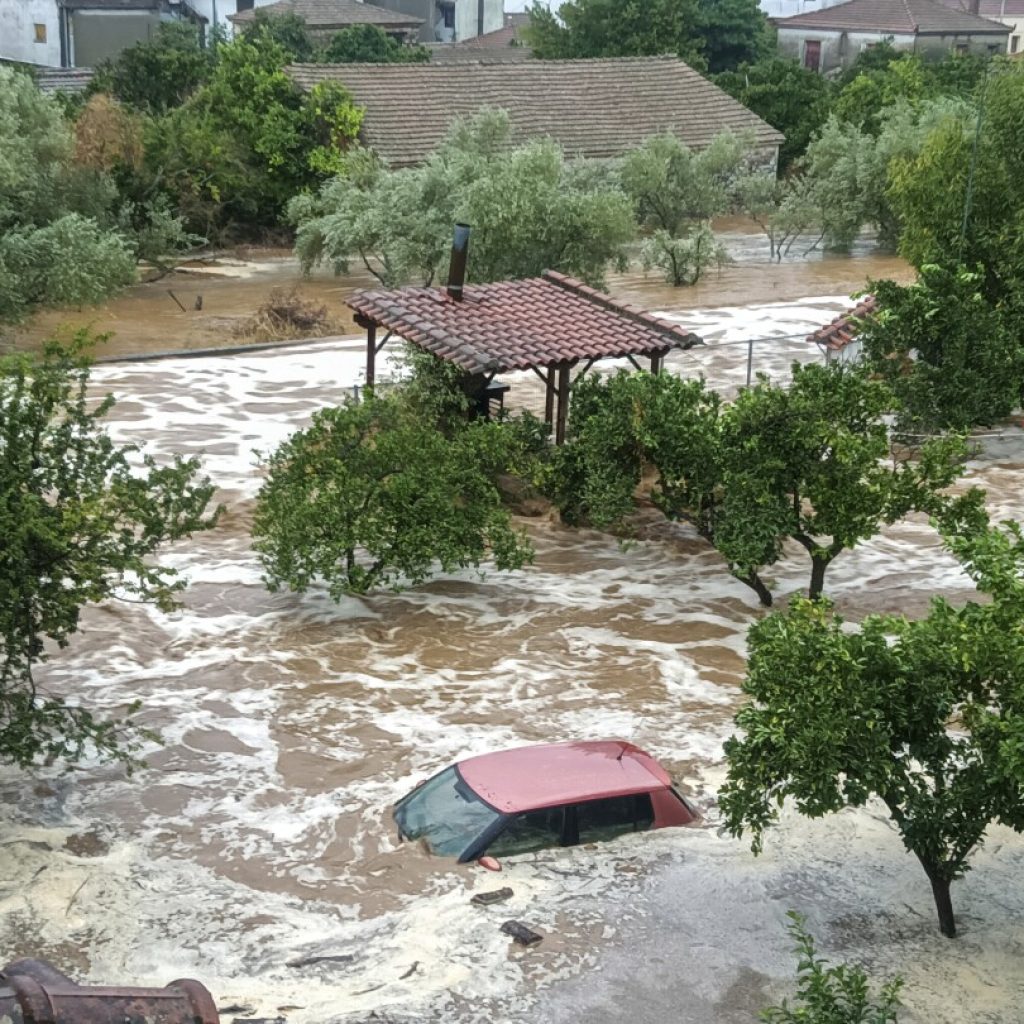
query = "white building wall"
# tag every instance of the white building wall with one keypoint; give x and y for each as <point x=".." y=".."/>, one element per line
<point x="224" y="8"/>
<point x="18" y="19"/>
<point x="467" y="17"/>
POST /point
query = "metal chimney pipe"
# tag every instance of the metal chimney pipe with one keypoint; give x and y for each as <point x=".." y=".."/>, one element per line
<point x="975" y="6"/>
<point x="457" y="267"/>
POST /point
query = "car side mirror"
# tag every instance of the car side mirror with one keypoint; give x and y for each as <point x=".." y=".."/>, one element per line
<point x="490" y="863"/>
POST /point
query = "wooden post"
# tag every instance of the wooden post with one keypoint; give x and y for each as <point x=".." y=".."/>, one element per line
<point x="549" y="397"/>
<point x="656" y="361"/>
<point x="563" y="402"/>
<point x="371" y="354"/>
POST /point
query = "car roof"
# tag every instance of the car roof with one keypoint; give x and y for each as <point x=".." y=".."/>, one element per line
<point x="527" y="778"/>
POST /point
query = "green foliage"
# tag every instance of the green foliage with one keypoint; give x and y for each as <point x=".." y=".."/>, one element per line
<point x="929" y="190"/>
<point x="811" y="462"/>
<point x="157" y="74"/>
<point x="787" y="95"/>
<point x="832" y="995"/>
<point x="368" y="44"/>
<point x="614" y="28"/>
<point x="734" y="33"/>
<point x="286" y="30"/>
<point x="373" y="495"/>
<point x="675" y="193"/>
<point x="926" y="715"/>
<point x="530" y="211"/>
<point x="967" y="366"/>
<point x="81" y="522"/>
<point x="249" y="140"/>
<point x="58" y="245"/>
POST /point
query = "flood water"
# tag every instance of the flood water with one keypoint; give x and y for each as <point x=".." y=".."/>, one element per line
<point x="260" y="833"/>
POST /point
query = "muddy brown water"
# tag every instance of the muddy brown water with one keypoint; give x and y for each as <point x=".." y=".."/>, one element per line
<point x="260" y="833"/>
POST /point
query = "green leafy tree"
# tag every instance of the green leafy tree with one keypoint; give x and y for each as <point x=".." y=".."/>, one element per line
<point x="734" y="32"/>
<point x="58" y="239"/>
<point x="159" y="73"/>
<point x="790" y="97"/>
<point x="953" y="359"/>
<point x="832" y="995"/>
<point x="81" y="522"/>
<point x="530" y="211"/>
<point x="866" y="97"/>
<point x="286" y="30"/>
<point x="811" y="462"/>
<point x="372" y="495"/>
<point x="368" y="44"/>
<point x="675" y="193"/>
<point x="613" y="28"/>
<point x="925" y="715"/>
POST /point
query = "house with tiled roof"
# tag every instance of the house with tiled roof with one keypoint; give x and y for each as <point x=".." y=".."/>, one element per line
<point x="451" y="21"/>
<point x="1009" y="12"/>
<point x="831" y="38"/>
<point x="325" y="17"/>
<point x="597" y="108"/>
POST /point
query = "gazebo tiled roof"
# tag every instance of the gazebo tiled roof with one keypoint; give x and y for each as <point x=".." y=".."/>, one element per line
<point x="844" y="328"/>
<point x="519" y="325"/>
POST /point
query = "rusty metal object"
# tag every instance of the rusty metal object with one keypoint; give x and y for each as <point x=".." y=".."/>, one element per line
<point x="35" y="992"/>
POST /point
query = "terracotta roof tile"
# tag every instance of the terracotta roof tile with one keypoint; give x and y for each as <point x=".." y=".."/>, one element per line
<point x="841" y="331"/>
<point x="514" y="325"/>
<point x="592" y="108"/>
<point x="911" y="17"/>
<point x="325" y="14"/>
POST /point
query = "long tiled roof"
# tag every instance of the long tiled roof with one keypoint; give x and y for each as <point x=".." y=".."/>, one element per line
<point x="841" y="331"/>
<point x="593" y="108"/>
<point x="904" y="17"/>
<point x="514" y="325"/>
<point x="323" y="14"/>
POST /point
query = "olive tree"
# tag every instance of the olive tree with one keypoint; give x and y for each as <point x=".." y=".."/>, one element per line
<point x="81" y="521"/>
<point x="925" y="715"/>
<point x="373" y="495"/>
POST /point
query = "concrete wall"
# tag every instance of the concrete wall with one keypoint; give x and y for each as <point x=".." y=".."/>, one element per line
<point x="840" y="49"/>
<point x="18" y="19"/>
<point x="98" y="35"/>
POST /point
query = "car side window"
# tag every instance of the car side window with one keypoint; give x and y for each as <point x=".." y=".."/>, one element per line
<point x="534" y="830"/>
<point x="598" y="820"/>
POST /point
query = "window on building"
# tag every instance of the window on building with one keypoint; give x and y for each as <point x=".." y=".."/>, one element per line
<point x="1014" y="44"/>
<point x="40" y="33"/>
<point x="244" y="5"/>
<point x="447" y="14"/>
<point x="960" y="49"/>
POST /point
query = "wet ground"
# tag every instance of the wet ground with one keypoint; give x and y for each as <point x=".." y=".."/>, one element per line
<point x="259" y="836"/>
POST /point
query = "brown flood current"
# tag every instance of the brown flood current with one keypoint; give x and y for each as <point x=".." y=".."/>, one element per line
<point x="260" y="834"/>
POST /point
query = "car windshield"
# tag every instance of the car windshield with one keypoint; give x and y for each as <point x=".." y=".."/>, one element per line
<point x="445" y="813"/>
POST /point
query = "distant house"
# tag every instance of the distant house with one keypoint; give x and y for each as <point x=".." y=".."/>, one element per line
<point x="505" y="43"/>
<point x="449" y="21"/>
<point x="81" y="33"/>
<point x="831" y="38"/>
<point x="1009" y="12"/>
<point x="325" y="17"/>
<point x="592" y="108"/>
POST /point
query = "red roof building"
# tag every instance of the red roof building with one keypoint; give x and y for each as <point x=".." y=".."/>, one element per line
<point x="836" y="337"/>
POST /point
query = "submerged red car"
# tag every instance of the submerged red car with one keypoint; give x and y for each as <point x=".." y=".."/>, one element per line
<point x="526" y="799"/>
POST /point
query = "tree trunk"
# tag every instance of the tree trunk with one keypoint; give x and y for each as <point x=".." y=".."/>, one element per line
<point x="756" y="584"/>
<point x="818" y="567"/>
<point x="944" y="906"/>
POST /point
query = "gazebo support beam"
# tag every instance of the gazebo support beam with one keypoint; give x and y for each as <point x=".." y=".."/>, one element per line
<point x="563" y="402"/>
<point x="371" y="353"/>
<point x="549" y="397"/>
<point x="657" y="360"/>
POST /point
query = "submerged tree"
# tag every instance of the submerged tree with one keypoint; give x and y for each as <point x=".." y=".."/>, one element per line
<point x="926" y="715"/>
<point x="374" y="495"/>
<point x="81" y="521"/>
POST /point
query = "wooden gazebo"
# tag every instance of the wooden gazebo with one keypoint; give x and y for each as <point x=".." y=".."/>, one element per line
<point x="549" y="324"/>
